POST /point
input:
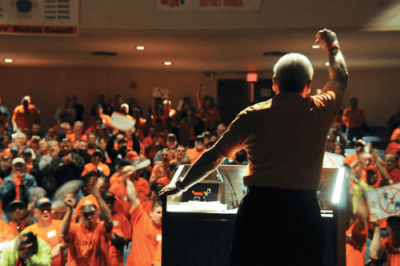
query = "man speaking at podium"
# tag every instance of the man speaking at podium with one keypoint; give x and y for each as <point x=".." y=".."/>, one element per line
<point x="279" y="221"/>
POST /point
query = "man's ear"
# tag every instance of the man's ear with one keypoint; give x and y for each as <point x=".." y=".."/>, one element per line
<point x="307" y="88"/>
<point x="275" y="85"/>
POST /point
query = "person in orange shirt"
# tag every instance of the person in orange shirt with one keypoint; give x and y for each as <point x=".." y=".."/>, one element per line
<point x="353" y="118"/>
<point x="170" y="174"/>
<point x="77" y="133"/>
<point x="160" y="169"/>
<point x="198" y="149"/>
<point x="394" y="146"/>
<point x="181" y="155"/>
<point x="24" y="115"/>
<point x="96" y="165"/>
<point x="48" y="229"/>
<point x="105" y="119"/>
<point x="122" y="231"/>
<point x="353" y="159"/>
<point x="392" y="166"/>
<point x="146" y="230"/>
<point x="6" y="233"/>
<point x="152" y="143"/>
<point x="88" y="241"/>
<point x="389" y="245"/>
<point x="19" y="217"/>
<point x="116" y="178"/>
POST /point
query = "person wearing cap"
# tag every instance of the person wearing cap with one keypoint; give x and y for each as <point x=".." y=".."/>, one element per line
<point x="16" y="186"/>
<point x="117" y="147"/>
<point x="48" y="229"/>
<point x="389" y="245"/>
<point x="97" y="165"/>
<point x="172" y="143"/>
<point x="122" y="230"/>
<point x="28" y="156"/>
<point x="26" y="249"/>
<point x="18" y="214"/>
<point x="146" y="229"/>
<point x="354" y="118"/>
<point x="288" y="172"/>
<point x="88" y="240"/>
<point x="198" y="149"/>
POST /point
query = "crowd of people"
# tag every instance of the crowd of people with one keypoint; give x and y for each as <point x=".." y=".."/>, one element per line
<point x="81" y="194"/>
<point x="85" y="194"/>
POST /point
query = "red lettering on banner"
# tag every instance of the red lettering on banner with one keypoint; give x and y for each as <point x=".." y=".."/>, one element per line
<point x="233" y="2"/>
<point x="210" y="2"/>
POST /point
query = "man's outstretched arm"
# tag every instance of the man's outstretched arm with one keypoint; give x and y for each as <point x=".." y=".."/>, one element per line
<point x="337" y="66"/>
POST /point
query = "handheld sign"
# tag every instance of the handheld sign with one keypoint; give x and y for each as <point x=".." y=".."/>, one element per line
<point x="384" y="201"/>
<point x="119" y="121"/>
<point x="161" y="92"/>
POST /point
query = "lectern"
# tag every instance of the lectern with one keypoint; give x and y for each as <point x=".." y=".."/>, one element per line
<point x="198" y="226"/>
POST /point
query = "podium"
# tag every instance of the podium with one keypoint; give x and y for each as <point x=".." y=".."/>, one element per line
<point x="198" y="226"/>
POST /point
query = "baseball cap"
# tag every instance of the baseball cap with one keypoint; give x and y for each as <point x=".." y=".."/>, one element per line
<point x="88" y="206"/>
<point x="18" y="160"/>
<point x="16" y="203"/>
<point x="125" y="105"/>
<point x="122" y="141"/>
<point x="43" y="200"/>
<point x="27" y="151"/>
<point x="360" y="142"/>
<point x="132" y="155"/>
<point x="171" y="136"/>
<point x="199" y="137"/>
<point x="98" y="152"/>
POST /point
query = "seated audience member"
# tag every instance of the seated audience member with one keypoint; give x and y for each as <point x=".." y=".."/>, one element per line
<point x="394" y="146"/>
<point x="221" y="128"/>
<point x="165" y="180"/>
<point x="48" y="229"/>
<point x="16" y="186"/>
<point x="146" y="230"/>
<point x="160" y="169"/>
<point x="77" y="133"/>
<point x="353" y="158"/>
<point x="387" y="245"/>
<point x="92" y="144"/>
<point x="392" y="166"/>
<point x="152" y="143"/>
<point x="198" y="149"/>
<point x="121" y="231"/>
<point x="171" y="143"/>
<point x="38" y="131"/>
<point x="27" y="249"/>
<point x="181" y="155"/>
<point x="67" y="165"/>
<point x="97" y="165"/>
<point x="339" y="148"/>
<point x="194" y="126"/>
<point x="94" y="128"/>
<point x="81" y="149"/>
<point x="18" y="213"/>
<point x="34" y="145"/>
<point x="28" y="156"/>
<point x="76" y="235"/>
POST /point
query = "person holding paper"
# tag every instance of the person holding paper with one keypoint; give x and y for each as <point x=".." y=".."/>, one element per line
<point x="279" y="220"/>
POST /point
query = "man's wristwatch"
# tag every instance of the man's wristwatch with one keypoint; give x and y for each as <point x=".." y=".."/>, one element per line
<point x="179" y="186"/>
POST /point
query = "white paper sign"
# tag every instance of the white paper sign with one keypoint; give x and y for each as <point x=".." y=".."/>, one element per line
<point x="384" y="201"/>
<point x="121" y="122"/>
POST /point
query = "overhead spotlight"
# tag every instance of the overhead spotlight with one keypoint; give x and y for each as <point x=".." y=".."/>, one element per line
<point x="8" y="60"/>
<point x="315" y="46"/>
<point x="326" y="64"/>
<point x="140" y="47"/>
<point x="167" y="63"/>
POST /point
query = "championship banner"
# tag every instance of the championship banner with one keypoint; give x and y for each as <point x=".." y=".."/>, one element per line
<point x="161" y="93"/>
<point x="208" y="5"/>
<point x="120" y="122"/>
<point x="39" y="17"/>
<point x="384" y="201"/>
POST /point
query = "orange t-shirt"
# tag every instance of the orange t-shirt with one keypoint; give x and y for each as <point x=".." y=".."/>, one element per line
<point x="147" y="206"/>
<point x="6" y="234"/>
<point x="194" y="154"/>
<point x="143" y="188"/>
<point x="145" y="238"/>
<point x="164" y="180"/>
<point x="25" y="120"/>
<point x="121" y="227"/>
<point x="394" y="175"/>
<point x="88" y="247"/>
<point x="15" y="229"/>
<point x="355" y="248"/>
<point x="116" y="179"/>
<point x="158" y="172"/>
<point x="92" y="167"/>
<point x="51" y="235"/>
<point x="395" y="133"/>
<point x="393" y="147"/>
<point x="121" y="195"/>
<point x="392" y="253"/>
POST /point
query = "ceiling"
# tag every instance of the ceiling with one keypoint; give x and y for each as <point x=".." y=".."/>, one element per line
<point x="218" y="51"/>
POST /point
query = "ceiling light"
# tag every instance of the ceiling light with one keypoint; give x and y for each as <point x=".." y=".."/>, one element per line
<point x="140" y="47"/>
<point x="167" y="63"/>
<point x="326" y="64"/>
<point x="315" y="46"/>
<point x="8" y="60"/>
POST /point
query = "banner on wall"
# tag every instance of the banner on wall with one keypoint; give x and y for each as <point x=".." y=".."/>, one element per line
<point x="161" y="92"/>
<point x="384" y="201"/>
<point x="39" y="17"/>
<point x="208" y="5"/>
